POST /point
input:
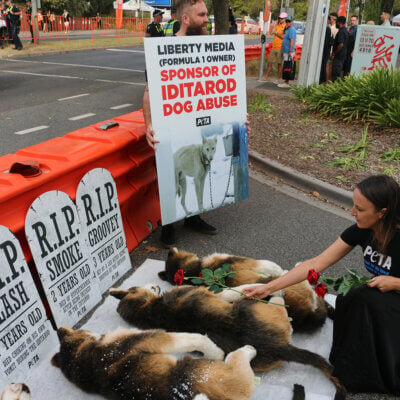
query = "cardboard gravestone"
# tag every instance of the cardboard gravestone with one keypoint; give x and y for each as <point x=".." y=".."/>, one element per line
<point x="58" y="247"/>
<point x="100" y="215"/>
<point x="26" y="334"/>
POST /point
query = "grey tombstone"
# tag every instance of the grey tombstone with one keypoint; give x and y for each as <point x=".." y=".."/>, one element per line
<point x="58" y="246"/>
<point x="100" y="215"/>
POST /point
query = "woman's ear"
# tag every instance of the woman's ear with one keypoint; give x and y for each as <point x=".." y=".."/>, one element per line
<point x="382" y="212"/>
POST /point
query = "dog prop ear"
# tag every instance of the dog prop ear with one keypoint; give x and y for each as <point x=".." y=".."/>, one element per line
<point x="62" y="332"/>
<point x="55" y="360"/>
<point x="118" y="293"/>
<point x="163" y="275"/>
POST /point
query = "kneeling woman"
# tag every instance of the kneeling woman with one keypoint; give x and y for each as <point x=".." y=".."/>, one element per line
<point x="366" y="347"/>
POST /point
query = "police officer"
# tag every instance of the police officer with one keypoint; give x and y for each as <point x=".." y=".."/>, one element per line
<point x="13" y="15"/>
<point x="172" y="26"/>
<point x="154" y="29"/>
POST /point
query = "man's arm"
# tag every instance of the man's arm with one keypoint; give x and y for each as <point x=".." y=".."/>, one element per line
<point x="147" y="119"/>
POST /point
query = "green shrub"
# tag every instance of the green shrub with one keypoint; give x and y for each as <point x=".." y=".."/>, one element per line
<point x="371" y="97"/>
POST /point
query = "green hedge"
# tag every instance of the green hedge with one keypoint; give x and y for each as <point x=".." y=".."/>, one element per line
<point x="371" y="97"/>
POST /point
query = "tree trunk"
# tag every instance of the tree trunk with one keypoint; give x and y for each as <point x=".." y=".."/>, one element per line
<point x="221" y="17"/>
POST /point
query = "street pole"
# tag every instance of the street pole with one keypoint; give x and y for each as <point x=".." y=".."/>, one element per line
<point x="267" y="19"/>
<point x="35" y="6"/>
<point x="313" y="45"/>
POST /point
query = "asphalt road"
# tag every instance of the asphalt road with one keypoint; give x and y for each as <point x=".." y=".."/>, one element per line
<point x="49" y="96"/>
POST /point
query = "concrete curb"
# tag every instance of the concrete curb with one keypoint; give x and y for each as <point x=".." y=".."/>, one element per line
<point x="297" y="179"/>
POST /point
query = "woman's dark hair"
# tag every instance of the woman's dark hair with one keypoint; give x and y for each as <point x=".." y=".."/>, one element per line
<point x="383" y="192"/>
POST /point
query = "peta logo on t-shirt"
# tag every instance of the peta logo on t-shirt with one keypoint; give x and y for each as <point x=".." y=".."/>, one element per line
<point x="377" y="263"/>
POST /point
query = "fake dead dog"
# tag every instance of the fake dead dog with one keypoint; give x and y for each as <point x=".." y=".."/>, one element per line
<point x="193" y="161"/>
<point x="307" y="311"/>
<point x="230" y="326"/>
<point x="135" y="365"/>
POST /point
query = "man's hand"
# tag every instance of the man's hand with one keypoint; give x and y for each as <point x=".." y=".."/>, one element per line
<point x="385" y="283"/>
<point x="150" y="137"/>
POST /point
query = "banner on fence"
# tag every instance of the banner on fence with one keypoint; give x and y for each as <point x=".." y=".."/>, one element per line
<point x="26" y="334"/>
<point x="58" y="247"/>
<point x="375" y="47"/>
<point x="100" y="215"/>
<point x="197" y="90"/>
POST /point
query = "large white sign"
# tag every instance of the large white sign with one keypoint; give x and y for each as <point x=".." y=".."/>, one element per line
<point x="197" y="87"/>
<point x="100" y="215"/>
<point x="26" y="334"/>
<point x="375" y="47"/>
<point x="58" y="246"/>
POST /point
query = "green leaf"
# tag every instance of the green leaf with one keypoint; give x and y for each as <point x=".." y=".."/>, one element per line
<point x="231" y="275"/>
<point x="342" y="288"/>
<point x="219" y="290"/>
<point x="219" y="273"/>
<point x="206" y="272"/>
<point x="197" y="281"/>
<point x="226" y="267"/>
<point x="346" y="290"/>
<point x="214" y="288"/>
<point x="209" y="281"/>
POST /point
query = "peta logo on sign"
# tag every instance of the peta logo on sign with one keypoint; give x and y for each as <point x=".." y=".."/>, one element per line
<point x="378" y="258"/>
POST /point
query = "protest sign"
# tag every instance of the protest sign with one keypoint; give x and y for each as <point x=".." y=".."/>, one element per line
<point x="375" y="47"/>
<point x="197" y="89"/>
<point x="100" y="215"/>
<point x="58" y="247"/>
<point x="26" y="334"/>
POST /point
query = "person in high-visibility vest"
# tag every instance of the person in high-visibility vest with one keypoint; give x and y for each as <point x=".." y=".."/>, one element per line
<point x="154" y="29"/>
<point x="173" y="25"/>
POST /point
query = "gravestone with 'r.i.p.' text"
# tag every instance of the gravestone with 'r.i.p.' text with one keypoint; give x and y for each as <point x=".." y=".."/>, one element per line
<point x="58" y="247"/>
<point x="26" y="334"/>
<point x="100" y="215"/>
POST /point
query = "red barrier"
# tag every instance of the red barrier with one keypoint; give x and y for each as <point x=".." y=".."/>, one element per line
<point x="122" y="150"/>
<point x="254" y="52"/>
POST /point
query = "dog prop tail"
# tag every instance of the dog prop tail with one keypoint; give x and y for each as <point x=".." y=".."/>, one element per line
<point x="163" y="275"/>
<point x="295" y="354"/>
<point x="118" y="293"/>
<point x="298" y="392"/>
<point x="331" y="311"/>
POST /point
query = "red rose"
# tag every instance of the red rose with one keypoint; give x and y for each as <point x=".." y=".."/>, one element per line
<point x="178" y="277"/>
<point x="313" y="276"/>
<point x="321" y="290"/>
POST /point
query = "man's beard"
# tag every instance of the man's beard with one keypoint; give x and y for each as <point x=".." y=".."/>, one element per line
<point x="195" y="30"/>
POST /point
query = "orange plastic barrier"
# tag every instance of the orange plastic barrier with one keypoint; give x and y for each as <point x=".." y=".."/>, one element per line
<point x="253" y="52"/>
<point x="63" y="161"/>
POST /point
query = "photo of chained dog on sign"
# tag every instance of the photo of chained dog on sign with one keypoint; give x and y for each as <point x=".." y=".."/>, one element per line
<point x="197" y="91"/>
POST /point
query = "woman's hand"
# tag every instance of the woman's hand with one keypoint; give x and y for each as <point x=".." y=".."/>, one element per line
<point x="385" y="283"/>
<point x="259" y="291"/>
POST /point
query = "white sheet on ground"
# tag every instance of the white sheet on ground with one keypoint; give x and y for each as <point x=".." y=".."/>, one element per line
<point x="48" y="382"/>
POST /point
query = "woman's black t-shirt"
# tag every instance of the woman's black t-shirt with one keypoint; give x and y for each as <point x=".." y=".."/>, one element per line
<point x="375" y="262"/>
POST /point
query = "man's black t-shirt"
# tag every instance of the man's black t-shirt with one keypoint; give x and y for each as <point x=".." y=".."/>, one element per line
<point x="341" y="37"/>
<point x="155" y="30"/>
<point x="375" y="262"/>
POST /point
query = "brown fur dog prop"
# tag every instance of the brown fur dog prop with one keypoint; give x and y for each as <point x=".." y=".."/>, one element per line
<point x="306" y="310"/>
<point x="230" y="326"/>
<point x="138" y="365"/>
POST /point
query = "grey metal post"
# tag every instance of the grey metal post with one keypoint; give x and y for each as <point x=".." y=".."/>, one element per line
<point x="314" y="37"/>
<point x="262" y="57"/>
<point x="35" y="6"/>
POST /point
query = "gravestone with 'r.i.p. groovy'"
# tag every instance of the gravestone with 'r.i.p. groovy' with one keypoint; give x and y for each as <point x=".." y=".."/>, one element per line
<point x="58" y="247"/>
<point x="26" y="334"/>
<point x="100" y="215"/>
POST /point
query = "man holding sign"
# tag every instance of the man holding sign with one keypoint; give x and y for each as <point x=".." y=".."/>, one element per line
<point x="192" y="15"/>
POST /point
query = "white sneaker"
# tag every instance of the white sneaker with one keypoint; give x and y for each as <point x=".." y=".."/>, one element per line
<point x="284" y="85"/>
